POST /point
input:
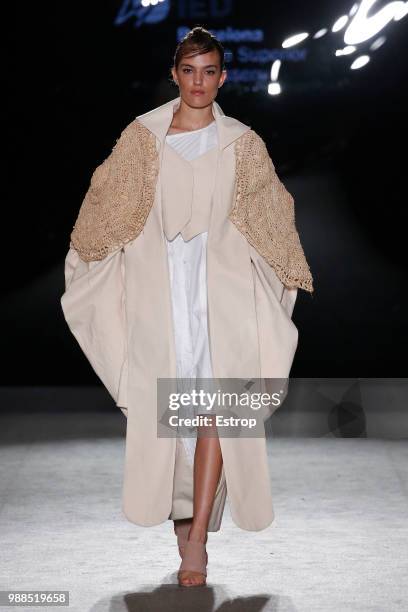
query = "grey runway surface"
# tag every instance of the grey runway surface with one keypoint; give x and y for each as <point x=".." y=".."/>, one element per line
<point x="338" y="541"/>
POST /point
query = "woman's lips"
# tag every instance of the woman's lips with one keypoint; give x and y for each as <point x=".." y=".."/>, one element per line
<point x="197" y="92"/>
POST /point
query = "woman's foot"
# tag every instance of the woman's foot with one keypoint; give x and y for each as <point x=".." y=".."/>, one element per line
<point x="193" y="568"/>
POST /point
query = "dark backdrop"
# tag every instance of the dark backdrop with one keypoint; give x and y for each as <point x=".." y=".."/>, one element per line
<point x="75" y="79"/>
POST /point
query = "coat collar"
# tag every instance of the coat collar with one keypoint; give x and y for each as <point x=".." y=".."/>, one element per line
<point x="159" y="119"/>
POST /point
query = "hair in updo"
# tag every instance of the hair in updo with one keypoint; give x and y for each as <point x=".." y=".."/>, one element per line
<point x="198" y="41"/>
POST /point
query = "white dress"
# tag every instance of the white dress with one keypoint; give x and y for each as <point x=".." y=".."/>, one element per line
<point x="188" y="280"/>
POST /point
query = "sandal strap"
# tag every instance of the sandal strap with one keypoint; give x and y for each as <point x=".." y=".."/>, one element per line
<point x="194" y="558"/>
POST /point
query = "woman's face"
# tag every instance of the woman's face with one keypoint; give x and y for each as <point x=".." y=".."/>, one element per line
<point x="199" y="78"/>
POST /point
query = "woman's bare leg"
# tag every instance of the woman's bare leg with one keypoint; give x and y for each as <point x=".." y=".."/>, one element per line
<point x="207" y="471"/>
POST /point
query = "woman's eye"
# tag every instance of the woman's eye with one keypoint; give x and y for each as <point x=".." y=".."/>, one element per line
<point x="185" y="70"/>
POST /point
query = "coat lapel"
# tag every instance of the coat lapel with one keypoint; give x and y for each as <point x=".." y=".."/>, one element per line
<point x="159" y="120"/>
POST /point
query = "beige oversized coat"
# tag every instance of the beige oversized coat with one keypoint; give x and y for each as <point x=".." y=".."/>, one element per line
<point x="119" y="309"/>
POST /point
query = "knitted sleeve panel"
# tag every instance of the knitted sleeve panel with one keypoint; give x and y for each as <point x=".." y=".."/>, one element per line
<point x="264" y="213"/>
<point x="119" y="197"/>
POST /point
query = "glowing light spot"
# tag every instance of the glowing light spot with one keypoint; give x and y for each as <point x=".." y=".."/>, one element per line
<point x="275" y="70"/>
<point x="401" y="11"/>
<point x="346" y="50"/>
<point x="353" y="9"/>
<point x="361" y="61"/>
<point x="274" y="89"/>
<point x="294" y="40"/>
<point x="377" y="43"/>
<point x="340" y="23"/>
<point x="320" y="33"/>
<point x="363" y="27"/>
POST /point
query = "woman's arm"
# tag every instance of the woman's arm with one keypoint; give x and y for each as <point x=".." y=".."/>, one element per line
<point x="264" y="212"/>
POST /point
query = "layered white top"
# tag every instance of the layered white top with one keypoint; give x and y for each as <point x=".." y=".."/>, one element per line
<point x="188" y="279"/>
<point x="192" y="144"/>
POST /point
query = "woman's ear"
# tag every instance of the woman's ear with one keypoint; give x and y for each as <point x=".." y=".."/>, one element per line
<point x="174" y="75"/>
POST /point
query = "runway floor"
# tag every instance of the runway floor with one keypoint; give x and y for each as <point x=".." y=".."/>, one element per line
<point x="338" y="542"/>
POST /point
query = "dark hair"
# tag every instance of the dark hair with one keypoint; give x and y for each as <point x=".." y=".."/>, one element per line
<point x="198" y="41"/>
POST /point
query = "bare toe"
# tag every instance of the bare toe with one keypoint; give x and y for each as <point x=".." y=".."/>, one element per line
<point x="187" y="578"/>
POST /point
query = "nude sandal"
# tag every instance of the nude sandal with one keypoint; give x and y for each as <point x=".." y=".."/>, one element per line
<point x="181" y="530"/>
<point x="195" y="559"/>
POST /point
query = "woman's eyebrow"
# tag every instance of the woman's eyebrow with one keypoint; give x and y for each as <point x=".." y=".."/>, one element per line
<point x="209" y="65"/>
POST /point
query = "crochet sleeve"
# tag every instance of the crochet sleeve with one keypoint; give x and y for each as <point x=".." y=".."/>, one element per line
<point x="264" y="212"/>
<point x="119" y="196"/>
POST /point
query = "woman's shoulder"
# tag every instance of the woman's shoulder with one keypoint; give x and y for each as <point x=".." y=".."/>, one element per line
<point x="251" y="145"/>
<point x="134" y="140"/>
<point x="135" y="130"/>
